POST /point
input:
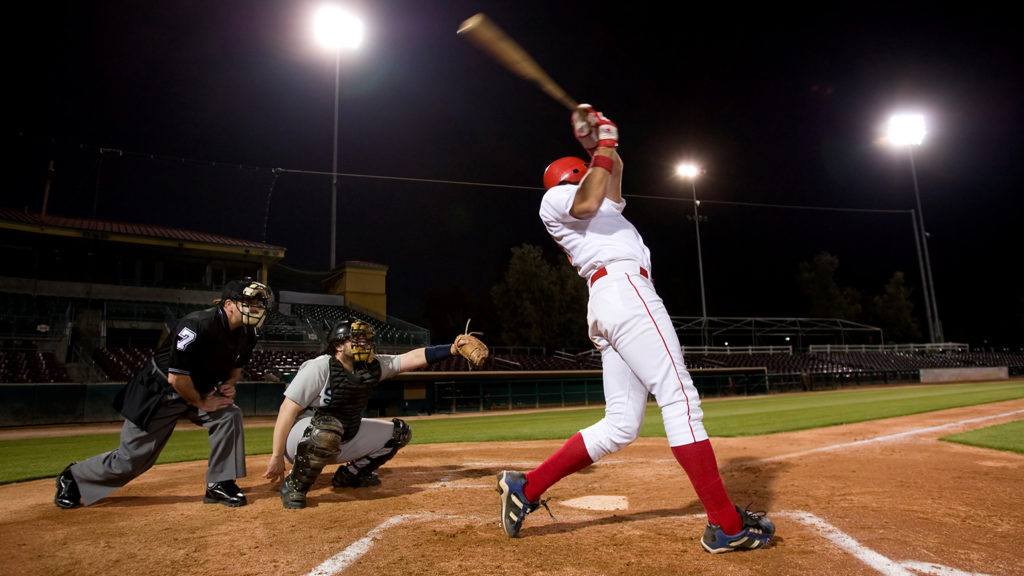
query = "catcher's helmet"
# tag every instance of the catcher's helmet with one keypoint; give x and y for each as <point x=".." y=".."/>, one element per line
<point x="360" y="333"/>
<point x="564" y="170"/>
<point x="253" y="299"/>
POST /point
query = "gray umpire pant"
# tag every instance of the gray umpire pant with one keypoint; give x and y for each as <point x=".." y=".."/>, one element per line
<point x="139" y="449"/>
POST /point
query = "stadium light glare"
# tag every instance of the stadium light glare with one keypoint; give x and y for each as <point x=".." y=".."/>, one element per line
<point x="336" y="29"/>
<point x="690" y="171"/>
<point x="908" y="130"/>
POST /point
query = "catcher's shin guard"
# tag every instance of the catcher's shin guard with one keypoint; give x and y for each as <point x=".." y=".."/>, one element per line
<point x="319" y="446"/>
<point x="360" y="473"/>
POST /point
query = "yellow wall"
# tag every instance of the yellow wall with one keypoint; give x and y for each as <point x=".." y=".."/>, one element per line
<point x="363" y="285"/>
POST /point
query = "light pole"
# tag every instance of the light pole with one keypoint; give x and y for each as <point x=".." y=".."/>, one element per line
<point x="335" y="29"/>
<point x="690" y="172"/>
<point x="909" y="130"/>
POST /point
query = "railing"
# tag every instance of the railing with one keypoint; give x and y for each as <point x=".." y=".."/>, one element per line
<point x="912" y="348"/>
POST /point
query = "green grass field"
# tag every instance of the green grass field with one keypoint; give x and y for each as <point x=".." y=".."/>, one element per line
<point x="33" y="458"/>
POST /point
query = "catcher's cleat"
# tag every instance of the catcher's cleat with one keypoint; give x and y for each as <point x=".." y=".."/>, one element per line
<point x="344" y="478"/>
<point x="757" y="532"/>
<point x="292" y="498"/>
<point x="67" y="496"/>
<point x="514" y="504"/>
<point x="227" y="493"/>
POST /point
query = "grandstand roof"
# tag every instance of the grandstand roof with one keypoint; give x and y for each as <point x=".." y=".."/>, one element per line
<point x="132" y="233"/>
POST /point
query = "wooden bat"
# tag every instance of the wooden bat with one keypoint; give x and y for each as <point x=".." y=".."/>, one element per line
<point x="479" y="30"/>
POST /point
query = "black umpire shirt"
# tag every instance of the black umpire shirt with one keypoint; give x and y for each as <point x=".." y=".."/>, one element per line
<point x="203" y="347"/>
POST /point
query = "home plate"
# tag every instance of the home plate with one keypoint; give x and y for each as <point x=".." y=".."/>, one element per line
<point x="598" y="502"/>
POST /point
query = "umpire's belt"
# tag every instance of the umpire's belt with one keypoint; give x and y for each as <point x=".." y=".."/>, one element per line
<point x="617" y="267"/>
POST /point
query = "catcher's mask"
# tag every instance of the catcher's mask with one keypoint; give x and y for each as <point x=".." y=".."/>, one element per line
<point x="252" y="298"/>
<point x="567" y="170"/>
<point x="361" y="335"/>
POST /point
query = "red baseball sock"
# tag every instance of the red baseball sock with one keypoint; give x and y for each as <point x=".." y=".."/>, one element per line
<point x="570" y="458"/>
<point x="698" y="459"/>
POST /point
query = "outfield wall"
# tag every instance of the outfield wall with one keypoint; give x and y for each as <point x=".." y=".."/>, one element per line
<point x="406" y="394"/>
<point x="973" y="374"/>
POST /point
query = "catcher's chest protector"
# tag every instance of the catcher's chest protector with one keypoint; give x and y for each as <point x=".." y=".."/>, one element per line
<point x="348" y="393"/>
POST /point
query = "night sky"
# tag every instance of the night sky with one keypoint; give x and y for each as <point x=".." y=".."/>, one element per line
<point x="178" y="113"/>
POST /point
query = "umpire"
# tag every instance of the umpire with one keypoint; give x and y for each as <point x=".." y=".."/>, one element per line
<point x="192" y="375"/>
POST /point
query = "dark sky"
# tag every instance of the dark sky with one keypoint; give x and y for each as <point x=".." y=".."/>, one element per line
<point x="177" y="112"/>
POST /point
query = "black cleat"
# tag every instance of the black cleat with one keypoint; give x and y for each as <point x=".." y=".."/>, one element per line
<point x="344" y="478"/>
<point x="227" y="493"/>
<point x="757" y="532"/>
<point x="68" y="495"/>
<point x="291" y="497"/>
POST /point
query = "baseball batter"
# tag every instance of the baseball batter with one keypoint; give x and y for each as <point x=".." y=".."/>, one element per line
<point x="640" y="352"/>
<point x="320" y="420"/>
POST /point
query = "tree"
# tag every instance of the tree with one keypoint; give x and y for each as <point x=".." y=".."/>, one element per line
<point x="448" y="307"/>
<point x="894" y="311"/>
<point x="541" y="303"/>
<point x="826" y="298"/>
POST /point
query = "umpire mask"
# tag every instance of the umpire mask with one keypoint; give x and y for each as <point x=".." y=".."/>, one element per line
<point x="252" y="298"/>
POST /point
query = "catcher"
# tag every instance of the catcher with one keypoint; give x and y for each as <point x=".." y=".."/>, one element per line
<point x="320" y="420"/>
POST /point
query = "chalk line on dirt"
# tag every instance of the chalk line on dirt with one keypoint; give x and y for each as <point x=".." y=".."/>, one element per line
<point x="883" y="565"/>
<point x="885" y="438"/>
<point x="342" y="560"/>
<point x="880" y="563"/>
<point x="886" y="566"/>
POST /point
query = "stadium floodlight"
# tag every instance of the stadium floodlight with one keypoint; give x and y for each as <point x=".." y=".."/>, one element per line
<point x="908" y="130"/>
<point x="690" y="171"/>
<point x="336" y="29"/>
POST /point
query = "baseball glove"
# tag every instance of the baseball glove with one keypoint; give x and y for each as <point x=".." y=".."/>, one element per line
<point x="470" y="347"/>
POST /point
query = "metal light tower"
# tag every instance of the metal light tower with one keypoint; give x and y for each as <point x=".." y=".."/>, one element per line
<point x="909" y="130"/>
<point x="690" y="172"/>
<point x="335" y="29"/>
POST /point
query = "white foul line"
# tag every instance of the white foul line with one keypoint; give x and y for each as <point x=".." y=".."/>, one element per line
<point x="873" y="559"/>
<point x="342" y="560"/>
<point x="357" y="549"/>
<point x="881" y="438"/>
<point x="883" y="565"/>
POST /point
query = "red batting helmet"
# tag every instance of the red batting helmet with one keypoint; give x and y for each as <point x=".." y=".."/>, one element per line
<point x="568" y="169"/>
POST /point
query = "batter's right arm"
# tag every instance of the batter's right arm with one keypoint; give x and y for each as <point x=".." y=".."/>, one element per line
<point x="598" y="183"/>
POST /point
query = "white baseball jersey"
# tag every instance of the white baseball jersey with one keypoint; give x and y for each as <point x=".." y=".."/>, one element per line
<point x="592" y="244"/>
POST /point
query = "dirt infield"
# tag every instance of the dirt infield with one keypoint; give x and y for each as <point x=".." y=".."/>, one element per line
<point x="882" y="497"/>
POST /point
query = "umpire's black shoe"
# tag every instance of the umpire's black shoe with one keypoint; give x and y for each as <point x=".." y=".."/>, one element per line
<point x="227" y="493"/>
<point x="68" y="495"/>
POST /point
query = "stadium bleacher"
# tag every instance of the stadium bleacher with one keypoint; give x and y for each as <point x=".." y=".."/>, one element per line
<point x="288" y="339"/>
<point x="31" y="366"/>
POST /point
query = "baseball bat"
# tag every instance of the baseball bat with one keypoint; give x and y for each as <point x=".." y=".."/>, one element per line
<point x="481" y="31"/>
